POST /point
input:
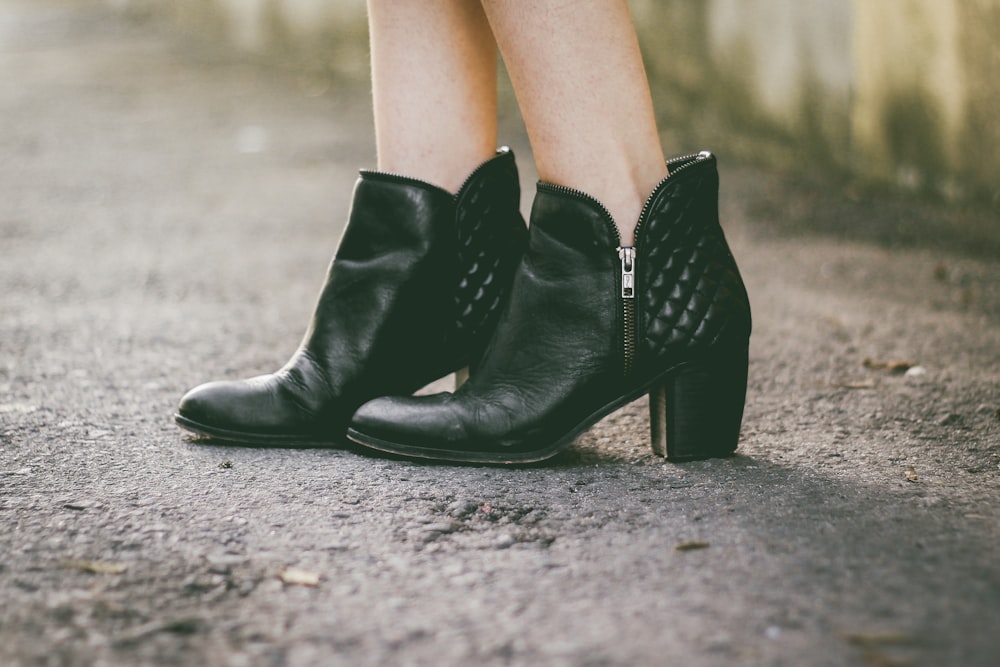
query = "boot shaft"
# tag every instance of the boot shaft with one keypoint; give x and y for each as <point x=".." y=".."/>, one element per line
<point x="413" y="290"/>
<point x="491" y="237"/>
<point x="677" y="293"/>
<point x="444" y="261"/>
<point x="689" y="294"/>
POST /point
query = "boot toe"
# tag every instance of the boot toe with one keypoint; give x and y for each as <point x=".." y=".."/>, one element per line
<point x="213" y="405"/>
<point x="235" y="410"/>
<point x="435" y="427"/>
<point x="419" y="421"/>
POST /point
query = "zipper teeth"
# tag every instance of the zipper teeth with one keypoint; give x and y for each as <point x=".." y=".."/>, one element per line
<point x="403" y="178"/>
<point x="552" y="187"/>
<point x="628" y="305"/>
<point x="687" y="160"/>
<point x="503" y="150"/>
<point x="629" y="335"/>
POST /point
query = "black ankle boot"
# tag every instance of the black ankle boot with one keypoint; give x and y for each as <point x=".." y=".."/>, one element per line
<point x="591" y="326"/>
<point x="412" y="294"/>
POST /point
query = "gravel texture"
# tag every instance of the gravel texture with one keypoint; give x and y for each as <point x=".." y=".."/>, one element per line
<point x="166" y="217"/>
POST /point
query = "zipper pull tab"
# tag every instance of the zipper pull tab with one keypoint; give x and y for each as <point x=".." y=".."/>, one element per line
<point x="627" y="255"/>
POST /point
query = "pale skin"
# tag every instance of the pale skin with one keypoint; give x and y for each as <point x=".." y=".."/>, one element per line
<point x="577" y="74"/>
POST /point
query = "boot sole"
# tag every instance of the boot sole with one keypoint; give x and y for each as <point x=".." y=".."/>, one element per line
<point x="244" y="438"/>
<point x="537" y="455"/>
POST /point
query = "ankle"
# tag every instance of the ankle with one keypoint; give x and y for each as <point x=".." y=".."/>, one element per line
<point x="447" y="169"/>
<point x="626" y="200"/>
<point x="625" y="213"/>
<point x="619" y="179"/>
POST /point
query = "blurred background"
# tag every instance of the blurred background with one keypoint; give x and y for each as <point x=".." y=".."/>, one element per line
<point x="896" y="93"/>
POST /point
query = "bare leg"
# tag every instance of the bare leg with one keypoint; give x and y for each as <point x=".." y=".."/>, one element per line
<point x="434" y="86"/>
<point x="582" y="88"/>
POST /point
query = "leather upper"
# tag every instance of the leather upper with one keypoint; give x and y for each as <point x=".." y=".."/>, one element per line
<point x="556" y="349"/>
<point x="690" y="290"/>
<point x="401" y="306"/>
<point x="491" y="238"/>
<point x="556" y="361"/>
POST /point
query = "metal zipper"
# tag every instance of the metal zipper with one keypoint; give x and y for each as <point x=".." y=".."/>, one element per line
<point x="626" y="279"/>
<point x="562" y="189"/>
<point x="503" y="150"/>
<point x="403" y="179"/>
<point x="627" y="254"/>
<point x="628" y="257"/>
<point x="674" y="166"/>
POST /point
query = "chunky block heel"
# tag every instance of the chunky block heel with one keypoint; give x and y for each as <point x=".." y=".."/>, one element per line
<point x="696" y="411"/>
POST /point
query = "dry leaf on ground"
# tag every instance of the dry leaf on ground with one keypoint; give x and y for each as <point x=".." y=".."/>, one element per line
<point x="294" y="576"/>
<point x="874" y="639"/>
<point x="96" y="566"/>
<point x="894" y="366"/>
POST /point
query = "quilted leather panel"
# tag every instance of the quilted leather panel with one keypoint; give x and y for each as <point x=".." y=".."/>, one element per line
<point x="491" y="238"/>
<point x="692" y="294"/>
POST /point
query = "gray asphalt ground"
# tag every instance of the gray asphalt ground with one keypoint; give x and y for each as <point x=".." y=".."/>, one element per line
<point x="166" y="217"/>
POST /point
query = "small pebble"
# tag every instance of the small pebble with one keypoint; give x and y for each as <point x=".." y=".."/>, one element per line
<point x="463" y="508"/>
